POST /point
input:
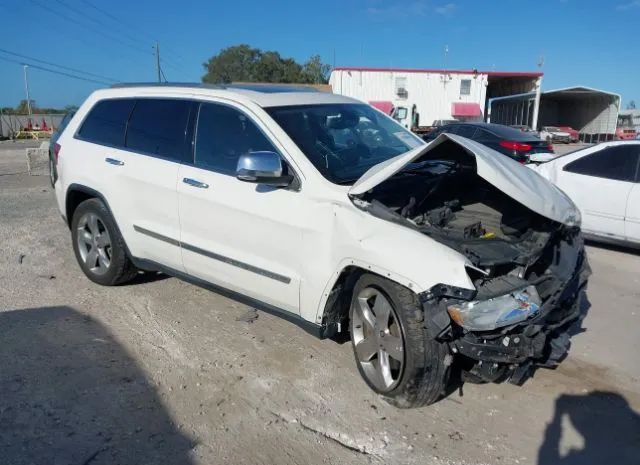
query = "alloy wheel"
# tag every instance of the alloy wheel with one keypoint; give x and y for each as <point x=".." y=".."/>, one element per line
<point x="94" y="243"/>
<point x="377" y="339"/>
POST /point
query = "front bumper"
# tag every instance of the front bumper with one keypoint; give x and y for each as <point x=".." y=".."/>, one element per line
<point x="542" y="341"/>
<point x="512" y="352"/>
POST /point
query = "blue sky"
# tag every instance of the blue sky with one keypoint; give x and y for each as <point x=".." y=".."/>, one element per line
<point x="584" y="42"/>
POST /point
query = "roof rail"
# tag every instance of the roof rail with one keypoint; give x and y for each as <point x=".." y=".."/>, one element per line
<point x="167" y="84"/>
<point x="267" y="88"/>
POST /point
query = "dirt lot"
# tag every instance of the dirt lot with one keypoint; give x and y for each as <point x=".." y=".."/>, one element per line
<point x="161" y="371"/>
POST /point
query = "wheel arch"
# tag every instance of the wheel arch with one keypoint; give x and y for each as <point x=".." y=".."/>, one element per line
<point x="333" y="310"/>
<point x="78" y="193"/>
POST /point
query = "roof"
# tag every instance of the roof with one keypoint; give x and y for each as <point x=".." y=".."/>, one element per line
<point x="500" y="130"/>
<point x="264" y="95"/>
<point x="576" y="92"/>
<point x="444" y="71"/>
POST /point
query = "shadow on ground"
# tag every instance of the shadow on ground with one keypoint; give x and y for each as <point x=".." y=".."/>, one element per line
<point x="70" y="394"/>
<point x="609" y="427"/>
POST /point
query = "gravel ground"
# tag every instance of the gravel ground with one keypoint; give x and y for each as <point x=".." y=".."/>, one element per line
<point x="160" y="371"/>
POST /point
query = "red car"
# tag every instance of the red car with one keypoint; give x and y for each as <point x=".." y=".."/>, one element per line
<point x="626" y="133"/>
<point x="574" y="136"/>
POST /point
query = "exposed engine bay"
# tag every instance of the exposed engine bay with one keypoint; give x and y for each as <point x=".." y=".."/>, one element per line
<point x="444" y="198"/>
<point x="528" y="270"/>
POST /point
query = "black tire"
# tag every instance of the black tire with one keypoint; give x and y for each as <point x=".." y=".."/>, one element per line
<point x="425" y="373"/>
<point x="53" y="174"/>
<point x="120" y="269"/>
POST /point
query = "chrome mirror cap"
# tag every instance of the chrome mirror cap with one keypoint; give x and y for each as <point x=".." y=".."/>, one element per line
<point x="262" y="168"/>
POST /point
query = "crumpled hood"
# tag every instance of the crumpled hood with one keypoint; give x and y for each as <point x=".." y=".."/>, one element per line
<point x="517" y="181"/>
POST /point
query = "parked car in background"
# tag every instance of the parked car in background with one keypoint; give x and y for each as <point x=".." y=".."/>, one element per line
<point x="554" y="135"/>
<point x="625" y="129"/>
<point x="523" y="128"/>
<point x="604" y="182"/>
<point x="574" y="136"/>
<point x="626" y="133"/>
<point x="54" y="147"/>
<point x="336" y="218"/>
<point x="443" y="122"/>
<point x="504" y="139"/>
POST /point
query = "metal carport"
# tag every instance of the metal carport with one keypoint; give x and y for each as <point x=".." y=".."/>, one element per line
<point x="592" y="112"/>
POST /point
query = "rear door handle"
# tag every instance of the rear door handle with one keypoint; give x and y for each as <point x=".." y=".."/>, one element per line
<point x="195" y="183"/>
<point x="114" y="161"/>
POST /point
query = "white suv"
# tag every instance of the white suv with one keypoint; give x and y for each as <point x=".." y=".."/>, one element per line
<point x="323" y="210"/>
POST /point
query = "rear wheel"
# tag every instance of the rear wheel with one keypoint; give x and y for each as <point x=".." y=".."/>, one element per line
<point x="99" y="246"/>
<point x="52" y="172"/>
<point x="395" y="355"/>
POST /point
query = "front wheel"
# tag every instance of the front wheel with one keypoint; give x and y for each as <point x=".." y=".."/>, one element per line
<point x="394" y="353"/>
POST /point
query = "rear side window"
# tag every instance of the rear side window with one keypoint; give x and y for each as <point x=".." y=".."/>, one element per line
<point x="65" y="121"/>
<point x="106" y="123"/>
<point x="617" y="163"/>
<point x="481" y="134"/>
<point x="157" y="127"/>
<point x="466" y="131"/>
<point x="223" y="134"/>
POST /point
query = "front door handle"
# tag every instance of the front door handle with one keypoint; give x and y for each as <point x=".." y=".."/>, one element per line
<point x="195" y="183"/>
<point x="114" y="161"/>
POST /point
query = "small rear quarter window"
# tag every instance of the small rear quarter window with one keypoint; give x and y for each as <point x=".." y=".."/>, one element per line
<point x="106" y="122"/>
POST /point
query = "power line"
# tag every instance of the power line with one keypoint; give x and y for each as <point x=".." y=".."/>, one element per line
<point x="62" y="73"/>
<point x="68" y="68"/>
<point x="92" y="29"/>
<point x="94" y="42"/>
<point x="99" y="22"/>
<point x="120" y="23"/>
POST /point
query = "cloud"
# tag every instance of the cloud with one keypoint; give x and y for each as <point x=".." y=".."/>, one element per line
<point x="447" y="9"/>
<point x="628" y="6"/>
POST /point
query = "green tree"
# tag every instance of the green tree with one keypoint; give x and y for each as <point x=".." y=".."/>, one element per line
<point x="631" y="105"/>
<point x="23" y="109"/>
<point x="244" y="63"/>
<point x="316" y="72"/>
<point x="235" y="63"/>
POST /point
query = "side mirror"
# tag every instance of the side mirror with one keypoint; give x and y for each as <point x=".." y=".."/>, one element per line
<point x="262" y="168"/>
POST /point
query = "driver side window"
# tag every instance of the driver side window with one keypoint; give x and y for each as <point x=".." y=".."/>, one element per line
<point x="223" y="134"/>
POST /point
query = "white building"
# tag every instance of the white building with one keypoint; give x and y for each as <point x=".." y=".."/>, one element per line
<point x="422" y="96"/>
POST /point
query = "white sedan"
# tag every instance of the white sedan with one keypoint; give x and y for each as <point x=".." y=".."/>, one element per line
<point x="604" y="182"/>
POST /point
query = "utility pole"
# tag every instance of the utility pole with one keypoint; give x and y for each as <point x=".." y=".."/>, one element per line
<point x="158" y="61"/>
<point x="26" y="87"/>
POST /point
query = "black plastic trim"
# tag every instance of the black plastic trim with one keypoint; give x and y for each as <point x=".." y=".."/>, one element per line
<point x="319" y="331"/>
<point x="215" y="256"/>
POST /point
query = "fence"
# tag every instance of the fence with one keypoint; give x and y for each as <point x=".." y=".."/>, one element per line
<point x="11" y="124"/>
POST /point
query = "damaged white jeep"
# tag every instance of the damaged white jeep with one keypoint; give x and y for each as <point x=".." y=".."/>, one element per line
<point x="325" y="211"/>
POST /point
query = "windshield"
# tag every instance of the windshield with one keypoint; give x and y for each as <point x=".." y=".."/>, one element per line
<point x="343" y="140"/>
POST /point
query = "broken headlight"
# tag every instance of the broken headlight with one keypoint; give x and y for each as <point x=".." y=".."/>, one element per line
<point x="504" y="310"/>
